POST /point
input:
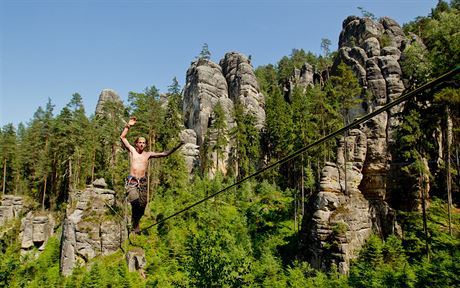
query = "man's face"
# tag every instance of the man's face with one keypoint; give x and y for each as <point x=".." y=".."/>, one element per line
<point x="140" y="145"/>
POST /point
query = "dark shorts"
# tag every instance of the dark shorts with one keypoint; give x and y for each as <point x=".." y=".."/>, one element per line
<point x="136" y="189"/>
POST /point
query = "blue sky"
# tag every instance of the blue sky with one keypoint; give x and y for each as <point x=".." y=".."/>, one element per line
<point x="54" y="48"/>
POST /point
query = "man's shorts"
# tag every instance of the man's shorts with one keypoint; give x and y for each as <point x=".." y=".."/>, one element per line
<point x="136" y="189"/>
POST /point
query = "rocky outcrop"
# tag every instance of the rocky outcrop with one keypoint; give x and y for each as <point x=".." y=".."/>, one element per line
<point x="36" y="229"/>
<point x="339" y="223"/>
<point x="91" y="226"/>
<point x="342" y="219"/>
<point x="243" y="86"/>
<point x="205" y="87"/>
<point x="373" y="50"/>
<point x="107" y="96"/>
<point x="135" y="259"/>
<point x="207" y="84"/>
<point x="11" y="207"/>
<point x="190" y="150"/>
<point x="304" y="77"/>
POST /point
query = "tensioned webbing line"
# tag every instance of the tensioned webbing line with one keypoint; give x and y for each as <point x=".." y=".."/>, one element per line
<point x="357" y="122"/>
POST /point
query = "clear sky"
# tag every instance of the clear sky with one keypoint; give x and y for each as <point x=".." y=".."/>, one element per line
<point x="54" y="48"/>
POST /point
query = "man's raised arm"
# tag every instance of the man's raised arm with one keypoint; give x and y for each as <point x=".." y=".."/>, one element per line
<point x="124" y="133"/>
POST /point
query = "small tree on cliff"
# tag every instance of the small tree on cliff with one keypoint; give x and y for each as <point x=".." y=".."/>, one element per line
<point x="205" y="53"/>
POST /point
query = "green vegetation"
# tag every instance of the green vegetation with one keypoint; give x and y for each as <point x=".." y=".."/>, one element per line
<point x="249" y="235"/>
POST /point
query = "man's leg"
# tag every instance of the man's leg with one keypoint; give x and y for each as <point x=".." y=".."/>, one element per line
<point x="138" y="206"/>
<point x="136" y="215"/>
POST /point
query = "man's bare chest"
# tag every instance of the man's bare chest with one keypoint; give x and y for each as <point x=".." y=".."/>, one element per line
<point x="139" y="158"/>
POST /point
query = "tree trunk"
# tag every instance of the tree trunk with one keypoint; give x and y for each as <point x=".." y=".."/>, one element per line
<point x="4" y="174"/>
<point x="422" y="186"/>
<point x="458" y="166"/>
<point x="92" y="166"/>
<point x="18" y="189"/>
<point x="70" y="174"/>
<point x="302" y="188"/>
<point x="44" y="193"/>
<point x="345" y="156"/>
<point x="448" y="175"/>
<point x="295" y="211"/>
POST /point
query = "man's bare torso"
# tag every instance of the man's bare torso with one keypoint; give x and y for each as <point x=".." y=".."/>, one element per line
<point x="138" y="163"/>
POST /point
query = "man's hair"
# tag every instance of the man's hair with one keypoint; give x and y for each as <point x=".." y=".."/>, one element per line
<point x="139" y="138"/>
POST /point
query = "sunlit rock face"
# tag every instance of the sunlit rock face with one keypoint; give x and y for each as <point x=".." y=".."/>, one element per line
<point x="207" y="84"/>
<point x="339" y="223"/>
<point x="345" y="212"/>
<point x="243" y="86"/>
<point x="107" y="96"/>
<point x="36" y="228"/>
<point x="90" y="228"/>
<point x="11" y="207"/>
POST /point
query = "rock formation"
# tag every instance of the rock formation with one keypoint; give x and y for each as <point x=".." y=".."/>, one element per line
<point x="373" y="50"/>
<point x="304" y="77"/>
<point x="10" y="208"/>
<point x="207" y="84"/>
<point x="243" y="86"/>
<point x="205" y="87"/>
<point x="190" y="150"/>
<point x="106" y="96"/>
<point x="342" y="219"/>
<point x="91" y="226"/>
<point x="36" y="228"/>
<point x="339" y="223"/>
<point x="135" y="259"/>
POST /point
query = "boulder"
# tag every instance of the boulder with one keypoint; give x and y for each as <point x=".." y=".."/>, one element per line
<point x="36" y="228"/>
<point x="136" y="260"/>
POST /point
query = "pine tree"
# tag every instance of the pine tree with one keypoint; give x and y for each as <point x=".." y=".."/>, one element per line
<point x="174" y="88"/>
<point x="36" y="143"/>
<point x="219" y="128"/>
<point x="8" y="155"/>
<point x="205" y="53"/>
<point x="172" y="173"/>
<point x="346" y="88"/>
<point x="106" y="129"/>
<point x="246" y="151"/>
<point x="71" y="160"/>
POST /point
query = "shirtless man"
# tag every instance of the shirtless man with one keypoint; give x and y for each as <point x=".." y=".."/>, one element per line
<point x="136" y="183"/>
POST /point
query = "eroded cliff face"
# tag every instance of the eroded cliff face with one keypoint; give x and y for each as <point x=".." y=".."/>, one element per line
<point x="339" y="220"/>
<point x="346" y="217"/>
<point x="107" y="96"/>
<point x="243" y="86"/>
<point x="11" y="207"/>
<point x="90" y="227"/>
<point x="207" y="84"/>
<point x="36" y="228"/>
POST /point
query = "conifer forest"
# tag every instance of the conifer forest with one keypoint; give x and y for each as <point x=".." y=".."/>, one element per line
<point x="250" y="210"/>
